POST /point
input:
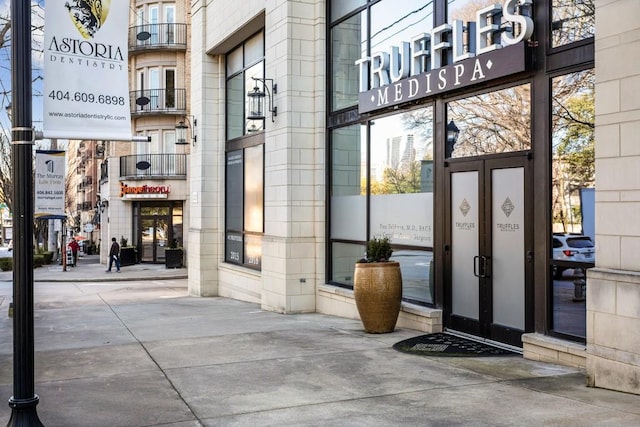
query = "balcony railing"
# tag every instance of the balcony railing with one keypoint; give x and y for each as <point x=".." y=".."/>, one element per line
<point x="158" y="36"/>
<point x="153" y="166"/>
<point x="154" y="101"/>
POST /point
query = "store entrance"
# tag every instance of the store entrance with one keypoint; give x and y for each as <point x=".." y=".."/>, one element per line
<point x="155" y="230"/>
<point x="158" y="226"/>
<point x="488" y="252"/>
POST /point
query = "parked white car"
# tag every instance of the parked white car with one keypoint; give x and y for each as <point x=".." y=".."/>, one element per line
<point x="573" y="248"/>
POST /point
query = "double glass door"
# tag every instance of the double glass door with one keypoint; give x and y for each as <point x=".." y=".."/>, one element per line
<point x="488" y="252"/>
<point x="155" y="235"/>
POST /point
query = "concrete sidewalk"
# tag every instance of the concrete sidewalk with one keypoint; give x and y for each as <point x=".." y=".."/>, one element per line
<point x="89" y="269"/>
<point x="143" y="353"/>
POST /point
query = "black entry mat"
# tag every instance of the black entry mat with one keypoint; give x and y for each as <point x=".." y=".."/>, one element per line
<point x="447" y="345"/>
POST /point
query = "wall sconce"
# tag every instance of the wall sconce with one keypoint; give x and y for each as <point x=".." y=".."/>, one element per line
<point x="452" y="137"/>
<point x="181" y="131"/>
<point x="256" y="100"/>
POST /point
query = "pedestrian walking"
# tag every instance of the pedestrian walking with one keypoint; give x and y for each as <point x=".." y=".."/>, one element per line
<point x="75" y="247"/>
<point x="114" y="255"/>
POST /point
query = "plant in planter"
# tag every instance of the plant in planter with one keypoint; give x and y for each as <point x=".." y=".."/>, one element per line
<point x="173" y="256"/>
<point x="377" y="287"/>
<point x="128" y="254"/>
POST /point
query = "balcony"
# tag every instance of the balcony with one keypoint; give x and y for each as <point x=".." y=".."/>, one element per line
<point x="158" y="101"/>
<point x="153" y="166"/>
<point x="157" y="36"/>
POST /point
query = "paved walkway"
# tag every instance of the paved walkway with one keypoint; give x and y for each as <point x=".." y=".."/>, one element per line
<point x="144" y="353"/>
<point x="89" y="269"/>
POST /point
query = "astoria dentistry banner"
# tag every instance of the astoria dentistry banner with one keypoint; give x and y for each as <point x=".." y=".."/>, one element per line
<point x="86" y="89"/>
<point x="49" y="184"/>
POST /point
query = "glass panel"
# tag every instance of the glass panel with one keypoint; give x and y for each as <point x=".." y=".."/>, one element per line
<point x="234" y="61"/>
<point x="572" y="21"/>
<point x="343" y="260"/>
<point x="253" y="49"/>
<point x="348" y="43"/>
<point x="417" y="274"/>
<point x="464" y="243"/>
<point x="573" y="198"/>
<point x="162" y="231"/>
<point x="234" y="193"/>
<point x="339" y="8"/>
<point x="177" y="222"/>
<point x="256" y="71"/>
<point x="154" y="210"/>
<point x="395" y="21"/>
<point x="235" y="106"/>
<point x="401" y="176"/>
<point x="348" y="184"/>
<point x="253" y="188"/>
<point x="253" y="251"/>
<point x="147" y="240"/>
<point x="401" y="194"/>
<point x="495" y="122"/>
<point x="507" y="261"/>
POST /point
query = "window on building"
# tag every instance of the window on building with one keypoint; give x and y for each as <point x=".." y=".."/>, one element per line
<point x="494" y="122"/>
<point x="572" y="198"/>
<point x="389" y="164"/>
<point x="244" y="185"/>
<point x="572" y="21"/>
<point x="348" y="44"/>
<point x="243" y="64"/>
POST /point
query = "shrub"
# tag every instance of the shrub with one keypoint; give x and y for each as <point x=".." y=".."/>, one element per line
<point x="48" y="257"/>
<point x="6" y="264"/>
<point x="38" y="260"/>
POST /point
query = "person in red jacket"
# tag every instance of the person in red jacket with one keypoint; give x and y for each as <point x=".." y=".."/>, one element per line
<point x="75" y="247"/>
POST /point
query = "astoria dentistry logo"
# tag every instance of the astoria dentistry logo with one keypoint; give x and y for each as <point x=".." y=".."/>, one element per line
<point x="88" y="15"/>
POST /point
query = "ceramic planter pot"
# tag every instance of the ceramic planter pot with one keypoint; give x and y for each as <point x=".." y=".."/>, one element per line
<point x="377" y="289"/>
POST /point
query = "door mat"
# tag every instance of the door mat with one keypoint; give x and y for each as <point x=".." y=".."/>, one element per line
<point x="447" y="345"/>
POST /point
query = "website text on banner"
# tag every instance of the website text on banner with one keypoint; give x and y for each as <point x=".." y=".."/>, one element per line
<point x="85" y="48"/>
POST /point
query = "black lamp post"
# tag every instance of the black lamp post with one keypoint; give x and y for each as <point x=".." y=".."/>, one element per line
<point x="24" y="400"/>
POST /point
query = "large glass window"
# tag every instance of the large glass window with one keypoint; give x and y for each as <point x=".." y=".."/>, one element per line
<point x="388" y="162"/>
<point x="572" y="198"/>
<point x="348" y="44"/>
<point x="243" y="64"/>
<point x="494" y="122"/>
<point x="244" y="185"/>
<point x="572" y="21"/>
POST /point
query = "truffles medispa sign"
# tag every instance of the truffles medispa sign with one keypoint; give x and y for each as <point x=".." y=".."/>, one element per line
<point x="85" y="46"/>
<point x="492" y="47"/>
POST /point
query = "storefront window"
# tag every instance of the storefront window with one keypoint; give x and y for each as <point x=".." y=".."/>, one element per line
<point x="348" y="43"/>
<point x="495" y="122"/>
<point x="243" y="63"/>
<point x="340" y="8"/>
<point x="244" y="183"/>
<point x="572" y="198"/>
<point x="572" y="21"/>
<point x="398" y="182"/>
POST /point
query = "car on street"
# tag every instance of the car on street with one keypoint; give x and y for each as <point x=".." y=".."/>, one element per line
<point x="576" y="248"/>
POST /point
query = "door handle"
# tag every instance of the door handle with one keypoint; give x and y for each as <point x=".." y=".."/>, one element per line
<point x="480" y="266"/>
<point x="476" y="264"/>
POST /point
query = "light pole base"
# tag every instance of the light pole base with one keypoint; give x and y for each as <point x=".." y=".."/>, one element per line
<point x="23" y="412"/>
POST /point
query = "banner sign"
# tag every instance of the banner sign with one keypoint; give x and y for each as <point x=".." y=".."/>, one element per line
<point x="49" y="184"/>
<point x="86" y="88"/>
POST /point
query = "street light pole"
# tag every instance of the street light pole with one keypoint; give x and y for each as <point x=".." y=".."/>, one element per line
<point x="24" y="400"/>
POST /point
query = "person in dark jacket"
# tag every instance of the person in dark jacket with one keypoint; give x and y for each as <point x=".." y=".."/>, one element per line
<point x="114" y="255"/>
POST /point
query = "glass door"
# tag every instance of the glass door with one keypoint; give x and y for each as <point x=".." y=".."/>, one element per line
<point x="154" y="234"/>
<point x="488" y="255"/>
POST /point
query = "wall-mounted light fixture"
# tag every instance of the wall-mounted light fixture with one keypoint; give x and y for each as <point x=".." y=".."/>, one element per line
<point x="452" y="137"/>
<point x="256" y="99"/>
<point x="181" y="131"/>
